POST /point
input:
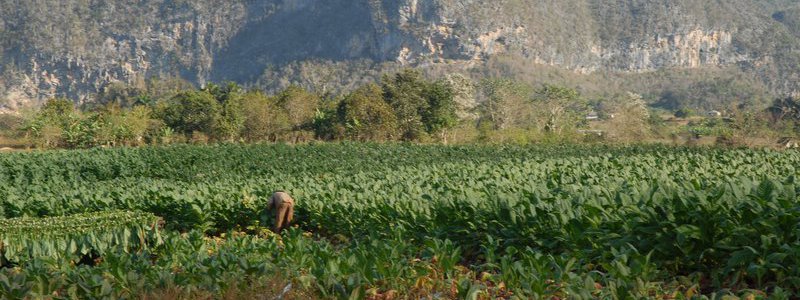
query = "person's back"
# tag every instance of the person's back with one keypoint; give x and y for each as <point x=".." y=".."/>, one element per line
<point x="283" y="204"/>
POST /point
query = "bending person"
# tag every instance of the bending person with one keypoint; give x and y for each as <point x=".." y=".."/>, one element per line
<point x="283" y="205"/>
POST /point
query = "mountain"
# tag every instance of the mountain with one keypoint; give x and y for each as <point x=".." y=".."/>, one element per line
<point x="76" y="48"/>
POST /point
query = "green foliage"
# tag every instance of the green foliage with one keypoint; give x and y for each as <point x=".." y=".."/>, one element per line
<point x="441" y="113"/>
<point x="326" y="124"/>
<point x="464" y="95"/>
<point x="554" y="110"/>
<point x="421" y="107"/>
<point x="263" y="119"/>
<point x="684" y="113"/>
<point x="232" y="119"/>
<point x="629" y="118"/>
<point x="366" y="116"/>
<point x="405" y="93"/>
<point x="498" y="110"/>
<point x="191" y="111"/>
<point x="59" y="124"/>
<point x="117" y="126"/>
<point x="505" y="103"/>
<point x="57" y="111"/>
<point x="74" y="236"/>
<point x="543" y="221"/>
<point x="300" y="106"/>
<point x="706" y="127"/>
<point x="561" y="107"/>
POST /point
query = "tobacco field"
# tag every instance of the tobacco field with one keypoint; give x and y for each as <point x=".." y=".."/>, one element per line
<point x="401" y="221"/>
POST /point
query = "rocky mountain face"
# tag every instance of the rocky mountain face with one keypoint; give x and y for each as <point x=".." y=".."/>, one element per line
<point x="75" y="48"/>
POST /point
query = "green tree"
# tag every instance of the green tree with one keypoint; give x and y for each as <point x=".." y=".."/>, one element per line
<point x="57" y="111"/>
<point x="191" y="111"/>
<point x="441" y="113"/>
<point x="300" y="107"/>
<point x="631" y="117"/>
<point x="122" y="126"/>
<point x="46" y="127"/>
<point x="326" y="124"/>
<point x="231" y="119"/>
<point x="366" y="116"/>
<point x="405" y="93"/>
<point x="505" y="104"/>
<point x="82" y="131"/>
<point x="421" y="107"/>
<point x="559" y="108"/>
<point x="464" y="92"/>
<point x="262" y="119"/>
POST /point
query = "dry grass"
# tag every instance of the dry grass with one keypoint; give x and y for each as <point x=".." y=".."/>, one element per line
<point x="11" y="143"/>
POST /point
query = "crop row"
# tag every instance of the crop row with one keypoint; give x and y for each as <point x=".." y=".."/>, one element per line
<point x="724" y="219"/>
<point x="75" y="236"/>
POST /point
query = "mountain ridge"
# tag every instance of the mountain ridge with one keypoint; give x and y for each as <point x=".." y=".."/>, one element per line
<point x="76" y="48"/>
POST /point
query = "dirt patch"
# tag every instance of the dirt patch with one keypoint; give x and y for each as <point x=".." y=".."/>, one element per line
<point x="266" y="289"/>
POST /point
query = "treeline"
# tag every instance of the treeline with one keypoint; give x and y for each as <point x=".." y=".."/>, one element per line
<point x="401" y="107"/>
<point x="404" y="106"/>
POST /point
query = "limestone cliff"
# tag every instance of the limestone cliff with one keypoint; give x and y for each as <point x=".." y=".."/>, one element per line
<point x="75" y="48"/>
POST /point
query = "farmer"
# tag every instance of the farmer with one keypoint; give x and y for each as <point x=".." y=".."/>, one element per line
<point x="283" y="204"/>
